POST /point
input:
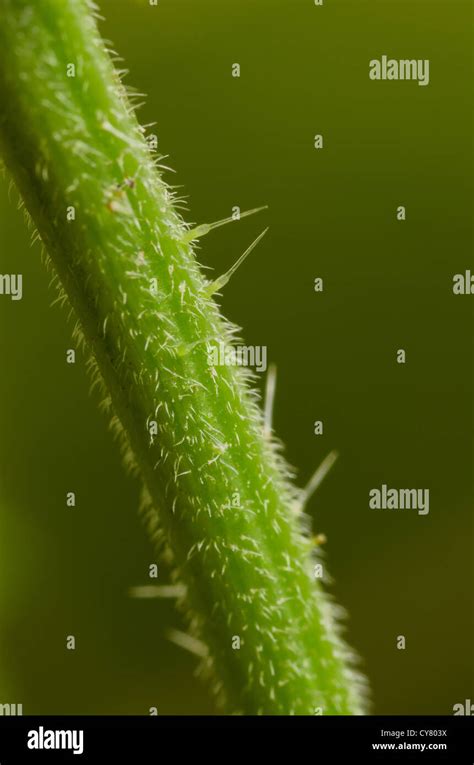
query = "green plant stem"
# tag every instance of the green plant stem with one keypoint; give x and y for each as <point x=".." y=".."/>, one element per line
<point x="194" y="431"/>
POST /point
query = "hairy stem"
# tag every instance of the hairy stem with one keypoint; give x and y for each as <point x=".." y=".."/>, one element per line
<point x="124" y="258"/>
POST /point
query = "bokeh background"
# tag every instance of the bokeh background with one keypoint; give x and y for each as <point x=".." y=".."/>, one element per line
<point x="388" y="285"/>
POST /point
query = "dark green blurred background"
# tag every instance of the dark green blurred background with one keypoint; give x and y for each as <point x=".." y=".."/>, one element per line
<point x="247" y="142"/>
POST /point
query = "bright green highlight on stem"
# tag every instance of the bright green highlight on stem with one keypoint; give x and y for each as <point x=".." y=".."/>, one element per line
<point x="229" y="515"/>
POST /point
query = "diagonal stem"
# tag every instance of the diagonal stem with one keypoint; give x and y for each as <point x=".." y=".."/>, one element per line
<point x="193" y="431"/>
